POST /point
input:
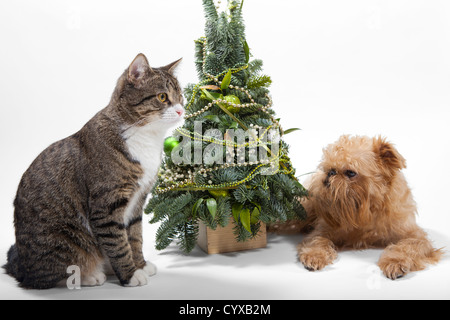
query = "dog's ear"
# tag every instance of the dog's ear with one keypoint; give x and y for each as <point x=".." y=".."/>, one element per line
<point x="388" y="154"/>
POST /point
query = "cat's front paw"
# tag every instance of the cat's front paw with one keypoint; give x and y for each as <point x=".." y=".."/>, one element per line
<point x="138" y="279"/>
<point x="96" y="279"/>
<point x="150" y="268"/>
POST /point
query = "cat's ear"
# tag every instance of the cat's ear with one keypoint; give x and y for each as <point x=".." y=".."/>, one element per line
<point x="138" y="70"/>
<point x="170" y="68"/>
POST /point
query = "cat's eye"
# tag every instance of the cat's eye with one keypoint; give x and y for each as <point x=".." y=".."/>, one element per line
<point x="162" y="97"/>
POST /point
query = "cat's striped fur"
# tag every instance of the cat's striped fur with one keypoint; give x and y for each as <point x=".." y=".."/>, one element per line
<point x="80" y="202"/>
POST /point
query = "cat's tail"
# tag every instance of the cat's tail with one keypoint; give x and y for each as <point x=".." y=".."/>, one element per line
<point x="12" y="264"/>
<point x="33" y="280"/>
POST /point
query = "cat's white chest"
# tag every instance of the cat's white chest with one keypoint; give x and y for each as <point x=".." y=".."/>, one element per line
<point x="145" y="145"/>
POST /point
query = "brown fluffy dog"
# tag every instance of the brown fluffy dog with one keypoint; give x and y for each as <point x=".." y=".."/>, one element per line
<point x="360" y="199"/>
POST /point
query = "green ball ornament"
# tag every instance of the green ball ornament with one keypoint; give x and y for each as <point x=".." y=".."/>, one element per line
<point x="234" y="100"/>
<point x="219" y="193"/>
<point x="170" y="144"/>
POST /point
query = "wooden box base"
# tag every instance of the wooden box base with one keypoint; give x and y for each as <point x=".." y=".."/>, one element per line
<point x="223" y="240"/>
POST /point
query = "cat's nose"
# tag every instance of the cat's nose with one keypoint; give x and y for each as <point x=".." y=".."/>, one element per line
<point x="179" y="110"/>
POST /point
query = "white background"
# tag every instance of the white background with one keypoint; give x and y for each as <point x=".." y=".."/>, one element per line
<point x="358" y="67"/>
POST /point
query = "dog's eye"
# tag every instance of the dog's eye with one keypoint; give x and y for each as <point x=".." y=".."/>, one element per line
<point x="350" y="173"/>
<point x="332" y="172"/>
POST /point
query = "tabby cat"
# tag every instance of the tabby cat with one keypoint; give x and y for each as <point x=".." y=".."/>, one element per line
<point x="80" y="202"/>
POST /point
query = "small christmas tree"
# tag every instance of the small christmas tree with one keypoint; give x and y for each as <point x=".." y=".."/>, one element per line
<point x="228" y="162"/>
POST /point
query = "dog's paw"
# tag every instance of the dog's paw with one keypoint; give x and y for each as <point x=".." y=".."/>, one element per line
<point x="138" y="279"/>
<point x="316" y="258"/>
<point x="394" y="268"/>
<point x="315" y="261"/>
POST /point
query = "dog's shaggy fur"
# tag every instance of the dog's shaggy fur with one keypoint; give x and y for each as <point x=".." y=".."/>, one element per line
<point x="359" y="199"/>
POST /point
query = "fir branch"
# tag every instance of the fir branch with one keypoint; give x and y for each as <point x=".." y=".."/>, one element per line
<point x="242" y="194"/>
<point x="210" y="10"/>
<point x="167" y="231"/>
<point x="187" y="235"/>
<point x="223" y="211"/>
<point x="255" y="67"/>
<point x="259" y="81"/>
